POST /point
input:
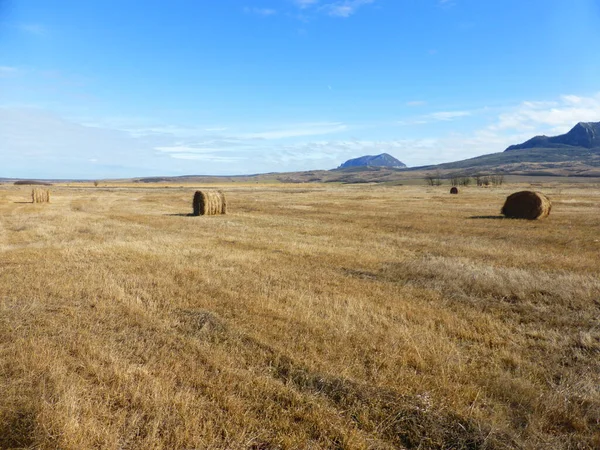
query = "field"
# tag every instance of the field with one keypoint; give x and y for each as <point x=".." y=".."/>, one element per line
<point x="311" y="316"/>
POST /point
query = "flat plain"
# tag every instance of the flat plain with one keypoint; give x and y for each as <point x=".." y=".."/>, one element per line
<point x="311" y="316"/>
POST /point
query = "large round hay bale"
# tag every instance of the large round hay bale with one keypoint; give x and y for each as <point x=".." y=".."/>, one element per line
<point x="527" y="205"/>
<point x="209" y="203"/>
<point x="39" y="195"/>
<point x="454" y="190"/>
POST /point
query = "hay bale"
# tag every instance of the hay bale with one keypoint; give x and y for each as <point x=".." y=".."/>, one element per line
<point x="39" y="195"/>
<point x="454" y="190"/>
<point x="209" y="203"/>
<point x="529" y="205"/>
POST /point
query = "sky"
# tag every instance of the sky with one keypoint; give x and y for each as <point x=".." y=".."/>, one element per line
<point x="125" y="88"/>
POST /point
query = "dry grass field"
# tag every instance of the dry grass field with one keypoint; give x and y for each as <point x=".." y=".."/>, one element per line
<point x="308" y="317"/>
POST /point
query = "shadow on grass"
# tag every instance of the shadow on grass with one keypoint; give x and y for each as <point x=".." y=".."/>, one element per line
<point x="487" y="217"/>
<point x="16" y="430"/>
<point x="181" y="215"/>
<point x="28" y="203"/>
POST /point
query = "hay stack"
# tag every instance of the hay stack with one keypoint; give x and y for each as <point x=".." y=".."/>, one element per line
<point x="39" y="195"/>
<point x="527" y="205"/>
<point x="454" y="190"/>
<point x="209" y="203"/>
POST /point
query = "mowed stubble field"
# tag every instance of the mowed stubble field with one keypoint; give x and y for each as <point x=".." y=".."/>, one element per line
<point x="314" y="316"/>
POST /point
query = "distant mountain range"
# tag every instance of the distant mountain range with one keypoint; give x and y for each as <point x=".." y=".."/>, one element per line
<point x="584" y="134"/>
<point x="576" y="153"/>
<point x="383" y="160"/>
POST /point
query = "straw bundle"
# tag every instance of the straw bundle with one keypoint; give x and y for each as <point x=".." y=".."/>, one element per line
<point x="527" y="205"/>
<point x="454" y="190"/>
<point x="209" y="203"/>
<point x="39" y="195"/>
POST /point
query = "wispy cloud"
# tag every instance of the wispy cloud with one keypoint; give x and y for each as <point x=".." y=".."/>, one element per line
<point x="439" y="116"/>
<point x="416" y="103"/>
<point x="448" y="115"/>
<point x="299" y="130"/>
<point x="305" y="3"/>
<point x="344" y="8"/>
<point x="340" y="8"/>
<point x="446" y="3"/>
<point x="554" y="117"/>
<point x="260" y="11"/>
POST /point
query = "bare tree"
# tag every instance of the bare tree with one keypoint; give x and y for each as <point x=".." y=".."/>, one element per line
<point x="465" y="181"/>
<point x="455" y="179"/>
<point x="434" y="179"/>
<point x="497" y="180"/>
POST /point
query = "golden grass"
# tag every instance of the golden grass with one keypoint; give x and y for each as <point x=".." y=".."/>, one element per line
<point x="299" y="320"/>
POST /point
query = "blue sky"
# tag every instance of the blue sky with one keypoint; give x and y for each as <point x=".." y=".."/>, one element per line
<point x="111" y="88"/>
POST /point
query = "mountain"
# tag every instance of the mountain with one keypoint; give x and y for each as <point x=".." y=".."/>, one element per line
<point x="383" y="160"/>
<point x="584" y="134"/>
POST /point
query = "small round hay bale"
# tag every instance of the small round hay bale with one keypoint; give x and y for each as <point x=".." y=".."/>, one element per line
<point x="454" y="190"/>
<point x="529" y="205"/>
<point x="209" y="203"/>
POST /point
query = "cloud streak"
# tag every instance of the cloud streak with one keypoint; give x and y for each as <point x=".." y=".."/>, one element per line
<point x="308" y="129"/>
<point x="265" y="12"/>
<point x="340" y="9"/>
<point x="439" y="116"/>
<point x="346" y="8"/>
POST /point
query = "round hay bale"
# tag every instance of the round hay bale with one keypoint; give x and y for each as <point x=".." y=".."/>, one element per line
<point x="529" y="205"/>
<point x="209" y="203"/>
<point x="454" y="190"/>
<point x="39" y="195"/>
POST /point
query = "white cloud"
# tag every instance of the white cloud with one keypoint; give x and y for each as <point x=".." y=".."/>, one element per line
<point x="439" y="116"/>
<point x="449" y="115"/>
<point x="207" y="157"/>
<point x="260" y="11"/>
<point x="344" y="8"/>
<point x="340" y="8"/>
<point x="550" y="117"/>
<point x="305" y="3"/>
<point x="307" y="129"/>
<point x="416" y="103"/>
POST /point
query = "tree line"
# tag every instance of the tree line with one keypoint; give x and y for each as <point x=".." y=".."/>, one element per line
<point x="436" y="179"/>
